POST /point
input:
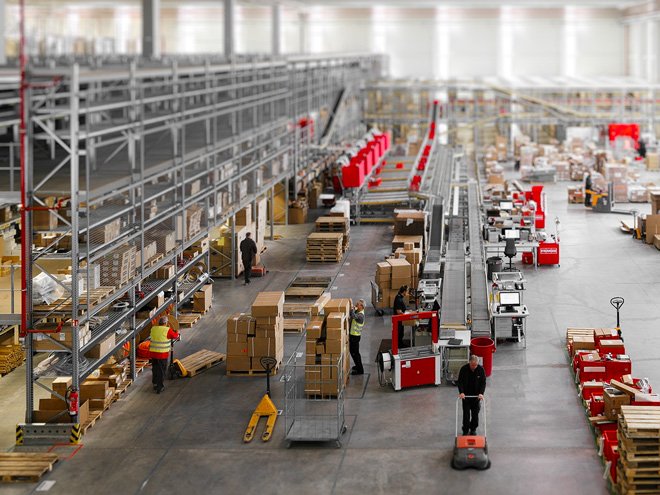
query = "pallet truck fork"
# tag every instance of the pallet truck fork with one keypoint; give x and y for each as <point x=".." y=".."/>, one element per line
<point x="265" y="408"/>
<point x="470" y="451"/>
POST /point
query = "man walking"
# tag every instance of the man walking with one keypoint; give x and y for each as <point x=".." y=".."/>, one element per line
<point x="355" y="333"/>
<point x="248" y="251"/>
<point x="400" y="308"/>
<point x="471" y="388"/>
<point x="159" y="351"/>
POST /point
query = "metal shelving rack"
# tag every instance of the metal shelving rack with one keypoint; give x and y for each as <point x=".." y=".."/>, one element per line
<point x="131" y="153"/>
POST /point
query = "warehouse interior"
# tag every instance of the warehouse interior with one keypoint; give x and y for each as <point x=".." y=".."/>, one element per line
<point x="201" y="201"/>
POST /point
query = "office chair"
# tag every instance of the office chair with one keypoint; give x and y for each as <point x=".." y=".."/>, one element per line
<point x="510" y="251"/>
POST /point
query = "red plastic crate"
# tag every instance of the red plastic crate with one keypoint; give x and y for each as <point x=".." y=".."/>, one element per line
<point x="589" y="389"/>
<point x="615" y="369"/>
<point x="352" y="176"/>
<point x="596" y="406"/>
<point x="593" y="372"/>
<point x="615" y="350"/>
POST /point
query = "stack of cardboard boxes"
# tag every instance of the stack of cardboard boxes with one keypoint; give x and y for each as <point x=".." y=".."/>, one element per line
<point x="391" y="274"/>
<point x="327" y="363"/>
<point x="118" y="267"/>
<point x="253" y="336"/>
<point x="413" y="255"/>
<point x="202" y="299"/>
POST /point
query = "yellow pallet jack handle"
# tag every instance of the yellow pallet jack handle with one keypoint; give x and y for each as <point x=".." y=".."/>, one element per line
<point x="265" y="408"/>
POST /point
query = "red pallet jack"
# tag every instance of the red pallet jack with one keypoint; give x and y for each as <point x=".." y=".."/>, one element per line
<point x="470" y="451"/>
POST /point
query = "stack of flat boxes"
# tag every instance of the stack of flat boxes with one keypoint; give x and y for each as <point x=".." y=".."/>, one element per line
<point x="253" y="336"/>
<point x="118" y="267"/>
<point x="391" y="274"/>
<point x="327" y="364"/>
<point x="240" y="328"/>
<point x="413" y="256"/>
<point x="267" y="309"/>
<point x="617" y="173"/>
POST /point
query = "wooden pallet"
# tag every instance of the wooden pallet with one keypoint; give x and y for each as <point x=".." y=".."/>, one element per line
<point x="91" y="421"/>
<point x="323" y="259"/>
<point x="201" y="360"/>
<point x="154" y="259"/>
<point x="303" y="292"/>
<point x="25" y="467"/>
<point x="297" y="308"/>
<point x="305" y="281"/>
<point x="187" y="320"/>
<point x="64" y="304"/>
<point x="260" y="372"/>
<point x="294" y="325"/>
<point x="140" y="365"/>
<point x="123" y="387"/>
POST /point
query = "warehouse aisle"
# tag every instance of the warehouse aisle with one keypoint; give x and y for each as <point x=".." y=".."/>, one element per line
<point x="189" y="439"/>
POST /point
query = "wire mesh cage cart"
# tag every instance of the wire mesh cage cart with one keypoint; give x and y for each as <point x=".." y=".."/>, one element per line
<point x="314" y="398"/>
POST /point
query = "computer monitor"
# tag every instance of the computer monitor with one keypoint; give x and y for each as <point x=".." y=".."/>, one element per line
<point x="510" y="298"/>
<point x="506" y="205"/>
<point x="512" y="234"/>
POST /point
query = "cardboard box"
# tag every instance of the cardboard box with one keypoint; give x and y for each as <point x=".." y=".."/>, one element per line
<point x="334" y="346"/>
<point x="61" y="384"/>
<point x="239" y="363"/>
<point x="165" y="272"/>
<point x="237" y="337"/>
<point x="320" y="347"/>
<point x="93" y="390"/>
<point x="614" y="399"/>
<point x="400" y="268"/>
<point x="314" y="330"/>
<point x="203" y="298"/>
<point x="334" y="333"/>
<point x="52" y="404"/>
<point x="383" y="271"/>
<point x="338" y="306"/>
<point x="102" y="348"/>
<point x="297" y="215"/>
<point x="268" y="304"/>
<point x="583" y="343"/>
<point x="335" y="320"/>
<point x="238" y="348"/>
<point x="263" y="347"/>
<point x="398" y="282"/>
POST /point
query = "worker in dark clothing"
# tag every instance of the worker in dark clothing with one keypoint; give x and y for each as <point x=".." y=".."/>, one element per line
<point x="248" y="252"/>
<point x="356" y="318"/>
<point x="400" y="308"/>
<point x="471" y="388"/>
<point x="159" y="351"/>
<point x="587" y="187"/>
<point x="641" y="149"/>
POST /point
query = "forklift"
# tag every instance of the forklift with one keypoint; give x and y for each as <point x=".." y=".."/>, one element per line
<point x="603" y="202"/>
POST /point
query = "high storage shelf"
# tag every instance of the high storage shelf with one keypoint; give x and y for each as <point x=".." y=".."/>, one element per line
<point x="120" y="157"/>
<point x="543" y="101"/>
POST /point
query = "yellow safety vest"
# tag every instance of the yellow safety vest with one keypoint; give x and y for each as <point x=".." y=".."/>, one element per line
<point x="159" y="341"/>
<point x="356" y="328"/>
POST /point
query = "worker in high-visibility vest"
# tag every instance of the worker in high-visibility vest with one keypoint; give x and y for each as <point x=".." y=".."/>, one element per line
<point x="159" y="351"/>
<point x="356" y="317"/>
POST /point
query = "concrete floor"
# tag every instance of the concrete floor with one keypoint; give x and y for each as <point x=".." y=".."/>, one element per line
<point x="189" y="439"/>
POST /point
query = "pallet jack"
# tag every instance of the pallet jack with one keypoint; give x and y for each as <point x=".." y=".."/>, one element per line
<point x="176" y="368"/>
<point x="617" y="302"/>
<point x="470" y="451"/>
<point x="265" y="408"/>
<point x="603" y="202"/>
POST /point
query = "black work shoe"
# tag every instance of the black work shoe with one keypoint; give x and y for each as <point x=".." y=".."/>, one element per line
<point x="465" y="432"/>
<point x="159" y="390"/>
<point x="473" y="432"/>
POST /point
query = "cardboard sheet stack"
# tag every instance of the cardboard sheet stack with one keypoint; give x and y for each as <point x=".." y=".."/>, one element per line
<point x="327" y="362"/>
<point x="118" y="267"/>
<point x="256" y="335"/>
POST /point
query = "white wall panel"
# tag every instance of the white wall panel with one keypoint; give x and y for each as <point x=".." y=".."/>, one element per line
<point x="473" y="47"/>
<point x="600" y="48"/>
<point x="537" y="47"/>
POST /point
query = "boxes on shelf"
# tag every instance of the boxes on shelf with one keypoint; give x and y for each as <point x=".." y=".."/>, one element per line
<point x="106" y="233"/>
<point x="118" y="267"/>
<point x="102" y="348"/>
<point x="298" y="212"/>
<point x="62" y="334"/>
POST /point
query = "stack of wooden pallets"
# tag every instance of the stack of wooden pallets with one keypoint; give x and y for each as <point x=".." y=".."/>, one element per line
<point x="335" y="224"/>
<point x="638" y="469"/>
<point x="324" y="247"/>
<point x="11" y="357"/>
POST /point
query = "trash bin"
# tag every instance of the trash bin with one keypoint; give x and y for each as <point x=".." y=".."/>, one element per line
<point x="484" y="348"/>
<point x="494" y="266"/>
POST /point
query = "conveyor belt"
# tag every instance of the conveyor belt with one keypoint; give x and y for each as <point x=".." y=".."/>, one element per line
<point x="478" y="295"/>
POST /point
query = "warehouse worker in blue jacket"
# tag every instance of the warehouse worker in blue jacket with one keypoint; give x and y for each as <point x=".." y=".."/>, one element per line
<point x="471" y="387"/>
